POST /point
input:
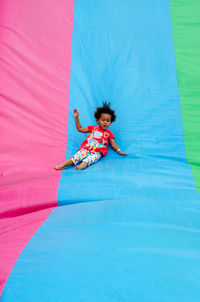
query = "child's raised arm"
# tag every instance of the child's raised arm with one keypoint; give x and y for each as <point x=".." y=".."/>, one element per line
<point x="116" y="148"/>
<point x="77" y="122"/>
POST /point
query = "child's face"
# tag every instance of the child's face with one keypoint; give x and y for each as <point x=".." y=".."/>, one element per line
<point x="104" y="121"/>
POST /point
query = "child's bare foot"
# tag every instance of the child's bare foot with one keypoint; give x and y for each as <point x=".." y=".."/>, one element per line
<point x="58" y="167"/>
<point x="67" y="162"/>
<point x="82" y="166"/>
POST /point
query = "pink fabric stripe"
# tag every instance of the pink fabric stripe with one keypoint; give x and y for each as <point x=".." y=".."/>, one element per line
<point x="35" y="56"/>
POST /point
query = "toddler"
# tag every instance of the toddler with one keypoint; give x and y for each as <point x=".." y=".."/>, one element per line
<point x="96" y="144"/>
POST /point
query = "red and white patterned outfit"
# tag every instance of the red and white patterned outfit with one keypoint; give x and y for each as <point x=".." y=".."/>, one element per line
<point x="94" y="146"/>
<point x="97" y="140"/>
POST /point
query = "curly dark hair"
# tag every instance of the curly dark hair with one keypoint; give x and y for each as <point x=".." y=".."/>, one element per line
<point x="105" y="109"/>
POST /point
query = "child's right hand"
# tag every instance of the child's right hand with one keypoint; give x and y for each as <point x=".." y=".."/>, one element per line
<point x="76" y="113"/>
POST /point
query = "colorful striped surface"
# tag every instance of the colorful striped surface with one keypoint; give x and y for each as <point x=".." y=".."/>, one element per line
<point x="126" y="228"/>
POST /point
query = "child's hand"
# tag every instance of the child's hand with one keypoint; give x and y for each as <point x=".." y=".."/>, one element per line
<point x="76" y="113"/>
<point x="122" y="153"/>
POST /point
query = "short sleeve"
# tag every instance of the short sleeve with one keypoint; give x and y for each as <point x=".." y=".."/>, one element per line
<point x="90" y="128"/>
<point x="111" y="135"/>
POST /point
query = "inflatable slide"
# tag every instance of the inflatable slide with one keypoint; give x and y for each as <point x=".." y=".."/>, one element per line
<point x="126" y="228"/>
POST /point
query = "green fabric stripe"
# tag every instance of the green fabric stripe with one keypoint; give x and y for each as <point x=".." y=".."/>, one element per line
<point x="186" y="34"/>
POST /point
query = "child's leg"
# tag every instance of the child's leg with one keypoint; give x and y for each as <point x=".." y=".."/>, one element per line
<point x="79" y="156"/>
<point x="74" y="160"/>
<point x="67" y="162"/>
<point x="82" y="166"/>
<point x="92" y="158"/>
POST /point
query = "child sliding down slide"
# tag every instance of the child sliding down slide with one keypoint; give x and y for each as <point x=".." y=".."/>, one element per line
<point x="96" y="144"/>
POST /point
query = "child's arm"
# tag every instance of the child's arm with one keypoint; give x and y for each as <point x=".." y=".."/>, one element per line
<point x="77" y="122"/>
<point x="116" y="148"/>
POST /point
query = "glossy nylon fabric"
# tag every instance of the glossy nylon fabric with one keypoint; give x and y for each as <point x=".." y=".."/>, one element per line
<point x="127" y="228"/>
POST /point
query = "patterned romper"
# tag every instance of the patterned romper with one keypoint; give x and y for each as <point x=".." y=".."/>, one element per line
<point x="94" y="146"/>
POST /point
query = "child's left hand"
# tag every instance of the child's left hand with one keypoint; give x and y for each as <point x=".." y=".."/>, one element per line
<point x="122" y="153"/>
